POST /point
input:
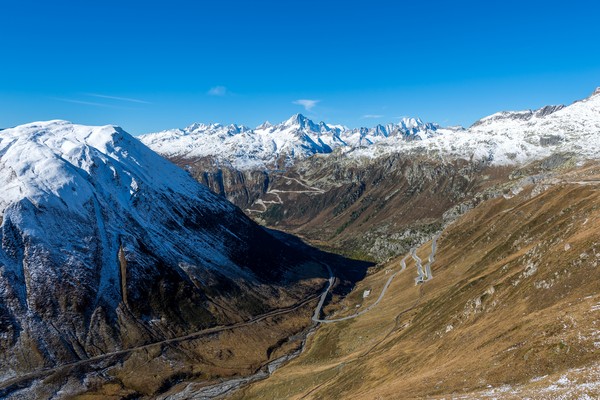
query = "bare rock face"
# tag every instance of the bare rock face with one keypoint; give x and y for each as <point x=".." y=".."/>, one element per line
<point x="105" y="245"/>
<point x="370" y="208"/>
<point x="241" y="187"/>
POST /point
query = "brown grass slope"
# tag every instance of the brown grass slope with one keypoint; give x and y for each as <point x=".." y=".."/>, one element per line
<point x="514" y="303"/>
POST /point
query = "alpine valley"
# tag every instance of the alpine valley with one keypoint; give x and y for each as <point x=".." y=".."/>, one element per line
<point x="303" y="260"/>
<point x="375" y="193"/>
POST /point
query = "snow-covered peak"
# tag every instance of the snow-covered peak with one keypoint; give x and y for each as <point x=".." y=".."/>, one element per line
<point x="58" y="161"/>
<point x="93" y="222"/>
<point x="410" y="123"/>
<point x="296" y="120"/>
<point x="515" y="137"/>
<point x="265" y="125"/>
<point x="231" y="129"/>
<point x="300" y="122"/>
<point x="297" y="137"/>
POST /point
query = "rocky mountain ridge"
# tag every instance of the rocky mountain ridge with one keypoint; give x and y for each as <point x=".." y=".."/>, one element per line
<point x="509" y="137"/>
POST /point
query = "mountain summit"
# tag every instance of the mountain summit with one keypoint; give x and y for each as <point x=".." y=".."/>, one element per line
<point x="105" y="244"/>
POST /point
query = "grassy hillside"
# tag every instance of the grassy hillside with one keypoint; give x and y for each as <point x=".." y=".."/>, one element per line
<point x="513" y="310"/>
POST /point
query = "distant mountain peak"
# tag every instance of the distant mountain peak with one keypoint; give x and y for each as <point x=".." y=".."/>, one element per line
<point x="296" y="119"/>
<point x="264" y="125"/>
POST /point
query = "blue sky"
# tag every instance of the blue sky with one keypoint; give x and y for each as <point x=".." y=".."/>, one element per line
<point x="152" y="65"/>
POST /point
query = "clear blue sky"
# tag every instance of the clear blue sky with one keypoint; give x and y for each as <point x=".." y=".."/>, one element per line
<point x="151" y="65"/>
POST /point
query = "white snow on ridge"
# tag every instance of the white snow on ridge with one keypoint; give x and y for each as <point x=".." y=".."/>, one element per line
<point x="296" y="138"/>
<point x="65" y="184"/>
<point x="512" y="137"/>
<point x="60" y="162"/>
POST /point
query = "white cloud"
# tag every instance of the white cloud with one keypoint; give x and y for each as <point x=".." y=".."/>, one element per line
<point x="128" y="99"/>
<point x="306" y="103"/>
<point x="218" y="91"/>
<point x="372" y="116"/>
<point x="90" y="103"/>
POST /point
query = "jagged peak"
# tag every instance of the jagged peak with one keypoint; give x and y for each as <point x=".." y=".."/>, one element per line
<point x="547" y="110"/>
<point x="296" y="119"/>
<point x="301" y="122"/>
<point x="197" y="127"/>
<point x="411" y="122"/>
<point x="264" y="125"/>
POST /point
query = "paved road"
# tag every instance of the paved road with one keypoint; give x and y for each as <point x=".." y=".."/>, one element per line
<point x="420" y="278"/>
<point x="276" y="192"/>
<point x="15" y="382"/>
<point x="431" y="257"/>
<point x="24" y="378"/>
<point x="324" y="295"/>
<point x="385" y="287"/>
<point x="328" y="321"/>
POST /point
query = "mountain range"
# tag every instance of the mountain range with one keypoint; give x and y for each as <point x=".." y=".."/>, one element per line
<point x="270" y="145"/>
<point x="126" y="272"/>
<point x="507" y="137"/>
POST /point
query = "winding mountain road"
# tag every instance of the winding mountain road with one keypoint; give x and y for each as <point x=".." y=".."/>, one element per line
<point x="423" y="272"/>
<point x="15" y="383"/>
<point x="276" y="192"/>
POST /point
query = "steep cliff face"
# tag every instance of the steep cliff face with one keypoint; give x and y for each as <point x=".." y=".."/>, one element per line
<point x="241" y="187"/>
<point x="105" y="245"/>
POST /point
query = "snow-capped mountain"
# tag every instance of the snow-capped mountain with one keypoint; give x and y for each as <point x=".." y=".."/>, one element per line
<point x="506" y="117"/>
<point x="511" y="137"/>
<point x="268" y="144"/>
<point x="506" y="137"/>
<point x="104" y="244"/>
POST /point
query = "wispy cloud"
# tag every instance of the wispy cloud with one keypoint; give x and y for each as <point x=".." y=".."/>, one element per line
<point x="306" y="103"/>
<point x="128" y="99"/>
<point x="90" y="103"/>
<point x="372" y="116"/>
<point x="218" y="91"/>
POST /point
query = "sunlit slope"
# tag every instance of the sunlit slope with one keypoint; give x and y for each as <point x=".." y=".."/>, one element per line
<point x="513" y="304"/>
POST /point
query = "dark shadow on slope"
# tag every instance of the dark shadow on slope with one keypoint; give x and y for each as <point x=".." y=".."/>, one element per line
<point x="347" y="271"/>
